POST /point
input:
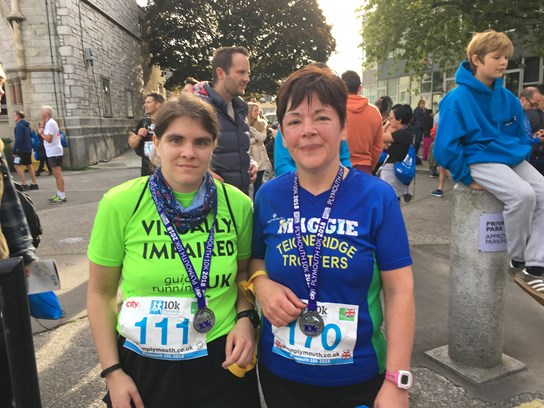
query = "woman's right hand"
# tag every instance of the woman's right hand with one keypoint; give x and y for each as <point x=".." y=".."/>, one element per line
<point x="123" y="390"/>
<point x="279" y="304"/>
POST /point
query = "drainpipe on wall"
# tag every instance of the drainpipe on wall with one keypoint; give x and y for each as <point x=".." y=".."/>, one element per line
<point x="53" y="74"/>
<point x="15" y="18"/>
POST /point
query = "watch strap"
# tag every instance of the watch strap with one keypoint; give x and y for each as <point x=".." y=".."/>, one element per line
<point x="251" y="314"/>
<point x="401" y="378"/>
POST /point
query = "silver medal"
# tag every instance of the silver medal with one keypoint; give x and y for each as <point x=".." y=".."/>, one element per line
<point x="204" y="320"/>
<point x="311" y="323"/>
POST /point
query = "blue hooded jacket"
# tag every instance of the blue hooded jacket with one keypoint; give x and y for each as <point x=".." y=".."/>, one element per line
<point x="23" y="137"/>
<point x="479" y="125"/>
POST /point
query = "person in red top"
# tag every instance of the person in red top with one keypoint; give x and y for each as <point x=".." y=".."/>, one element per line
<point x="364" y="130"/>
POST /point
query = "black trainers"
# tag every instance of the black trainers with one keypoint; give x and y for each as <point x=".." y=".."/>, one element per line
<point x="515" y="267"/>
<point x="34" y="187"/>
<point x="25" y="187"/>
<point x="532" y="282"/>
<point x="536" y="282"/>
<point x="518" y="265"/>
<point x="535" y="270"/>
<point x="437" y="193"/>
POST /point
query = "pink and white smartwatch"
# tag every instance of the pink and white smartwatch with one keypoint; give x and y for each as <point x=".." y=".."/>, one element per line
<point x="401" y="378"/>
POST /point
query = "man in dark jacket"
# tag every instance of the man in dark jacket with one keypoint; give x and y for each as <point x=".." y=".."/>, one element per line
<point x="419" y="115"/>
<point x="231" y="162"/>
<point x="22" y="150"/>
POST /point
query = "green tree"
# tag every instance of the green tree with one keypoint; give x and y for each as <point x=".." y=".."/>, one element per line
<point x="420" y="31"/>
<point x="281" y="36"/>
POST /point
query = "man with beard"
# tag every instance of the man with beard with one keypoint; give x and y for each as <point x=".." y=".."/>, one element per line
<point x="231" y="162"/>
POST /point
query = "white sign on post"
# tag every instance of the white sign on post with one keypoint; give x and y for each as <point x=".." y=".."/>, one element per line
<point x="492" y="233"/>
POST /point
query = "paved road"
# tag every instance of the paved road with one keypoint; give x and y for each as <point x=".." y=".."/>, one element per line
<point x="67" y="364"/>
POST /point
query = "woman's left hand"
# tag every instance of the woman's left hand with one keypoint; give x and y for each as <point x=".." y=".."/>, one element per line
<point x="390" y="396"/>
<point x="240" y="346"/>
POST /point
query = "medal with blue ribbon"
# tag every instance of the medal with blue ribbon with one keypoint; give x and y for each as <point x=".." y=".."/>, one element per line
<point x="310" y="322"/>
<point x="204" y="318"/>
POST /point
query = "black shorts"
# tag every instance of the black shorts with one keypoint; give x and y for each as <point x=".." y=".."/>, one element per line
<point x="196" y="383"/>
<point x="54" y="161"/>
<point x="281" y="393"/>
<point x="25" y="159"/>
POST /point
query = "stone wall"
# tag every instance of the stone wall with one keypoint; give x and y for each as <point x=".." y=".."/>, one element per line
<point x="55" y="36"/>
<point x="111" y="30"/>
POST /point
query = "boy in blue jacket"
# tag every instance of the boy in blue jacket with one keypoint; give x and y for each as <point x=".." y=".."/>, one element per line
<point x="482" y="141"/>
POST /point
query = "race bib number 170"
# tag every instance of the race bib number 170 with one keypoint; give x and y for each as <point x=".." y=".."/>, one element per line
<point x="332" y="347"/>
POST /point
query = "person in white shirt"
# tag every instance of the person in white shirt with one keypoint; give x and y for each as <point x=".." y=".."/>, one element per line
<point x="53" y="150"/>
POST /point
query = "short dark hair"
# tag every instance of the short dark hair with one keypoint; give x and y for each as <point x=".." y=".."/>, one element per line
<point x="352" y="80"/>
<point x="190" y="81"/>
<point x="187" y="106"/>
<point x="403" y="113"/>
<point x="157" y="97"/>
<point x="541" y="88"/>
<point x="302" y="84"/>
<point x="223" y="59"/>
<point x="21" y="114"/>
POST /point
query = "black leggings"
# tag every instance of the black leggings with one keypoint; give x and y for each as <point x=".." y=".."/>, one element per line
<point x="258" y="182"/>
<point x="198" y="383"/>
<point x="281" y="393"/>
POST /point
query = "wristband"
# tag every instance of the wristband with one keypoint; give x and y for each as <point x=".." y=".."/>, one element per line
<point x="110" y="369"/>
<point x="252" y="315"/>
<point x="401" y="378"/>
<point x="247" y="286"/>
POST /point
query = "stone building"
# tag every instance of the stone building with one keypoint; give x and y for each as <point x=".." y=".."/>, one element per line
<point x="85" y="58"/>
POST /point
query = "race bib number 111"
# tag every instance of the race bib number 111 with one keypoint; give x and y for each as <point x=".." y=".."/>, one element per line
<point x="161" y="328"/>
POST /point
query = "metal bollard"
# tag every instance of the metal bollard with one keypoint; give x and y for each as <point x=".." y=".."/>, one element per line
<point x="478" y="271"/>
<point x="18" y="333"/>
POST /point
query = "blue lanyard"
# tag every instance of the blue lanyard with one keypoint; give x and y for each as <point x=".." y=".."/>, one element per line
<point x="199" y="287"/>
<point x="312" y="273"/>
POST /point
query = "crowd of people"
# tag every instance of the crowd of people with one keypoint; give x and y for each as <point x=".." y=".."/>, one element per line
<point x="46" y="147"/>
<point x="217" y="285"/>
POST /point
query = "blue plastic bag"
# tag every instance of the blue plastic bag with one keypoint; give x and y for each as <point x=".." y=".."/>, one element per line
<point x="63" y="139"/>
<point x="406" y="170"/>
<point x="35" y="140"/>
<point x="45" y="305"/>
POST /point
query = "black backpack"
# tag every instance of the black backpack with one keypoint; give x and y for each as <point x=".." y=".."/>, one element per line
<point x="29" y="210"/>
<point x="31" y="215"/>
